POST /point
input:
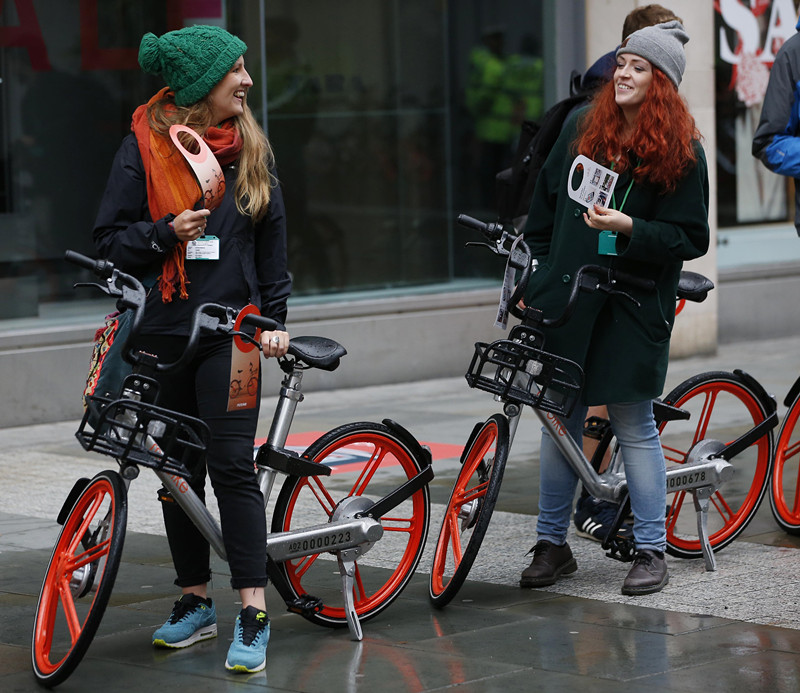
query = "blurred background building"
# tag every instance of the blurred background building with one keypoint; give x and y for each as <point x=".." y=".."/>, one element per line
<point x="388" y="118"/>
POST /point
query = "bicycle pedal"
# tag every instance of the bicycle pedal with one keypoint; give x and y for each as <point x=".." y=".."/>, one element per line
<point x="620" y="549"/>
<point x="305" y="605"/>
<point x="595" y="427"/>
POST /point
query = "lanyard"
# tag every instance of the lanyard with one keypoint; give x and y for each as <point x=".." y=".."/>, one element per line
<point x="625" y="198"/>
<point x="607" y="240"/>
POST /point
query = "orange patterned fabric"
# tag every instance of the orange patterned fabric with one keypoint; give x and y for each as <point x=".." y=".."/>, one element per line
<point x="171" y="185"/>
<point x="103" y="339"/>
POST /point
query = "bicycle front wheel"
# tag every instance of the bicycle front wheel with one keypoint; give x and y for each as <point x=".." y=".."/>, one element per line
<point x="469" y="509"/>
<point x="368" y="460"/>
<point x="784" y="490"/>
<point x="723" y="406"/>
<point x="79" y="578"/>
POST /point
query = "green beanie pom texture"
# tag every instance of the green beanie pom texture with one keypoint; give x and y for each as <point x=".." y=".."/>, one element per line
<point x="191" y="60"/>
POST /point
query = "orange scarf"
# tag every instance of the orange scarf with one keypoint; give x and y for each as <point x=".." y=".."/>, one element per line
<point x="171" y="185"/>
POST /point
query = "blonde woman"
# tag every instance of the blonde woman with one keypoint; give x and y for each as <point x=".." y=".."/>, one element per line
<point x="152" y="209"/>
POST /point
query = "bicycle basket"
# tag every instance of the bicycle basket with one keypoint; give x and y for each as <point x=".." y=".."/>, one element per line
<point x="525" y="374"/>
<point x="142" y="433"/>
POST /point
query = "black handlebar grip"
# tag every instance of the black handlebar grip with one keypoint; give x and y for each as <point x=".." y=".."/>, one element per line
<point x="471" y="223"/>
<point x="633" y="280"/>
<point x="493" y="232"/>
<point x="102" y="268"/>
<point x="78" y="259"/>
<point x="260" y="321"/>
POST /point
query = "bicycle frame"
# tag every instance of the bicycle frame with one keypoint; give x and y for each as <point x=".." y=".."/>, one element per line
<point x="351" y="535"/>
<point x="131" y="428"/>
<point x="706" y="469"/>
<point x="707" y="465"/>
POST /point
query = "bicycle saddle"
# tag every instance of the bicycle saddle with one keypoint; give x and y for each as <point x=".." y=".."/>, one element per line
<point x="317" y="352"/>
<point x="693" y="286"/>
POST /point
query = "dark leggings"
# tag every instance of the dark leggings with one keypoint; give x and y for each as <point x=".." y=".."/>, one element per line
<point x="201" y="390"/>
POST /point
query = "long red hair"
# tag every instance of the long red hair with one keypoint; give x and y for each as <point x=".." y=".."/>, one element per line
<point x="661" y="148"/>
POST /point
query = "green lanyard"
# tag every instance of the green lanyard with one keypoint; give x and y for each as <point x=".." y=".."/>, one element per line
<point x="607" y="240"/>
<point x="625" y="198"/>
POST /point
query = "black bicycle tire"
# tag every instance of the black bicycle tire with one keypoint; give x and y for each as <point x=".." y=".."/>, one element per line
<point x="411" y="559"/>
<point x="791" y="419"/>
<point x="438" y="598"/>
<point x="679" y="395"/>
<point x="76" y="652"/>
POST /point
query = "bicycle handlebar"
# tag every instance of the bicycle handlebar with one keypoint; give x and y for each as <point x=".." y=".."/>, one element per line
<point x="129" y="292"/>
<point x="605" y="279"/>
<point x="102" y="268"/>
<point x="493" y="232"/>
<point x="519" y="257"/>
<point x="509" y="245"/>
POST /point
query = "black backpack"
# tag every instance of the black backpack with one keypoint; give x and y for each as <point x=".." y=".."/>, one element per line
<point x="515" y="185"/>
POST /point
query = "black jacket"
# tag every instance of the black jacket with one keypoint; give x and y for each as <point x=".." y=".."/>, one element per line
<point x="252" y="265"/>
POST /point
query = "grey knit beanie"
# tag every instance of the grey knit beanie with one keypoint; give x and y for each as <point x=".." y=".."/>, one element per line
<point x="662" y="45"/>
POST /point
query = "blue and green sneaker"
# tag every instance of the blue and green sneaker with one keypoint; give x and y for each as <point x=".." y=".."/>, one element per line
<point x="192" y="619"/>
<point x="248" y="651"/>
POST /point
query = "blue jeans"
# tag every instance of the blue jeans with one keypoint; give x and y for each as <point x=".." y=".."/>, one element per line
<point x="645" y="470"/>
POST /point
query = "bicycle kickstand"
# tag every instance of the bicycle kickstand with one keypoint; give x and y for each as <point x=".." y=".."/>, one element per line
<point x="701" y="497"/>
<point x="347" y="568"/>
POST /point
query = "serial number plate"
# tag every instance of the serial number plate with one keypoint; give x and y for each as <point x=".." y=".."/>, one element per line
<point x="687" y="480"/>
<point x="329" y="541"/>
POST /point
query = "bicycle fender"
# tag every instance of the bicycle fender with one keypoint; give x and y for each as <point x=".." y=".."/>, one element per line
<point x="470" y="440"/>
<point x="422" y="453"/>
<point x="77" y="489"/>
<point x="767" y="400"/>
<point x="794" y="390"/>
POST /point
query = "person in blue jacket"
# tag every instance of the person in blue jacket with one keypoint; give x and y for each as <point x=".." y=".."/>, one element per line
<point x="150" y="216"/>
<point x="776" y="141"/>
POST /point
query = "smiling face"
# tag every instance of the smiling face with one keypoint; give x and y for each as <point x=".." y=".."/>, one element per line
<point x="227" y="97"/>
<point x="632" y="79"/>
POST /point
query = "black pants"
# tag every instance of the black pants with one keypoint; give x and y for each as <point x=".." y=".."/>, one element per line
<point x="201" y="390"/>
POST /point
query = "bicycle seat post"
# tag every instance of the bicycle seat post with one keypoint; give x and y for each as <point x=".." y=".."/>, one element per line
<point x="291" y="395"/>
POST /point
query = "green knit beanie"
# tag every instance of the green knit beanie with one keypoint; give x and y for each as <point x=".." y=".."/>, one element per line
<point x="191" y="60"/>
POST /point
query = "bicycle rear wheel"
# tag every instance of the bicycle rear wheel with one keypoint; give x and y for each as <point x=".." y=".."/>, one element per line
<point x="723" y="406"/>
<point x="469" y="509"/>
<point x="369" y="460"/>
<point x="784" y="490"/>
<point x="79" y="578"/>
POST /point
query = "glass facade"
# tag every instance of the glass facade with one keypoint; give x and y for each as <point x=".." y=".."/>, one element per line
<point x="747" y="41"/>
<point x="388" y="118"/>
<point x="755" y="206"/>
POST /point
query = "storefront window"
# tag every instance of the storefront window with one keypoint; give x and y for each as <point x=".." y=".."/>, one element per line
<point x="388" y="118"/>
<point x="755" y="205"/>
<point x="747" y="41"/>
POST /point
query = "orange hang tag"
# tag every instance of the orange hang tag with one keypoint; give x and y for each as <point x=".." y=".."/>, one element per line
<point x="204" y="165"/>
<point x="245" y="365"/>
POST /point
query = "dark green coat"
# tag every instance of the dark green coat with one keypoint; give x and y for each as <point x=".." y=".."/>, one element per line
<point x="623" y="349"/>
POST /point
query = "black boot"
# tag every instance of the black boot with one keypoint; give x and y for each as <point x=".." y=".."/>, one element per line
<point x="549" y="562"/>
<point x="648" y="574"/>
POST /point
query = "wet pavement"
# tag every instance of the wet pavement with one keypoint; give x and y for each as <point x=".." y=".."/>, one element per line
<point x="738" y="627"/>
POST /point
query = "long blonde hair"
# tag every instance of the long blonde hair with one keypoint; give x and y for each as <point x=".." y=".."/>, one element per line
<point x="254" y="179"/>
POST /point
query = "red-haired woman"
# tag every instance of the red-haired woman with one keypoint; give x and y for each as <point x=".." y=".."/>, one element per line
<point x="639" y="126"/>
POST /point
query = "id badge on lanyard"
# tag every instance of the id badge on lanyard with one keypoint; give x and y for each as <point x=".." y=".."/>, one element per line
<point x="597" y="187"/>
<point x="211" y="180"/>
